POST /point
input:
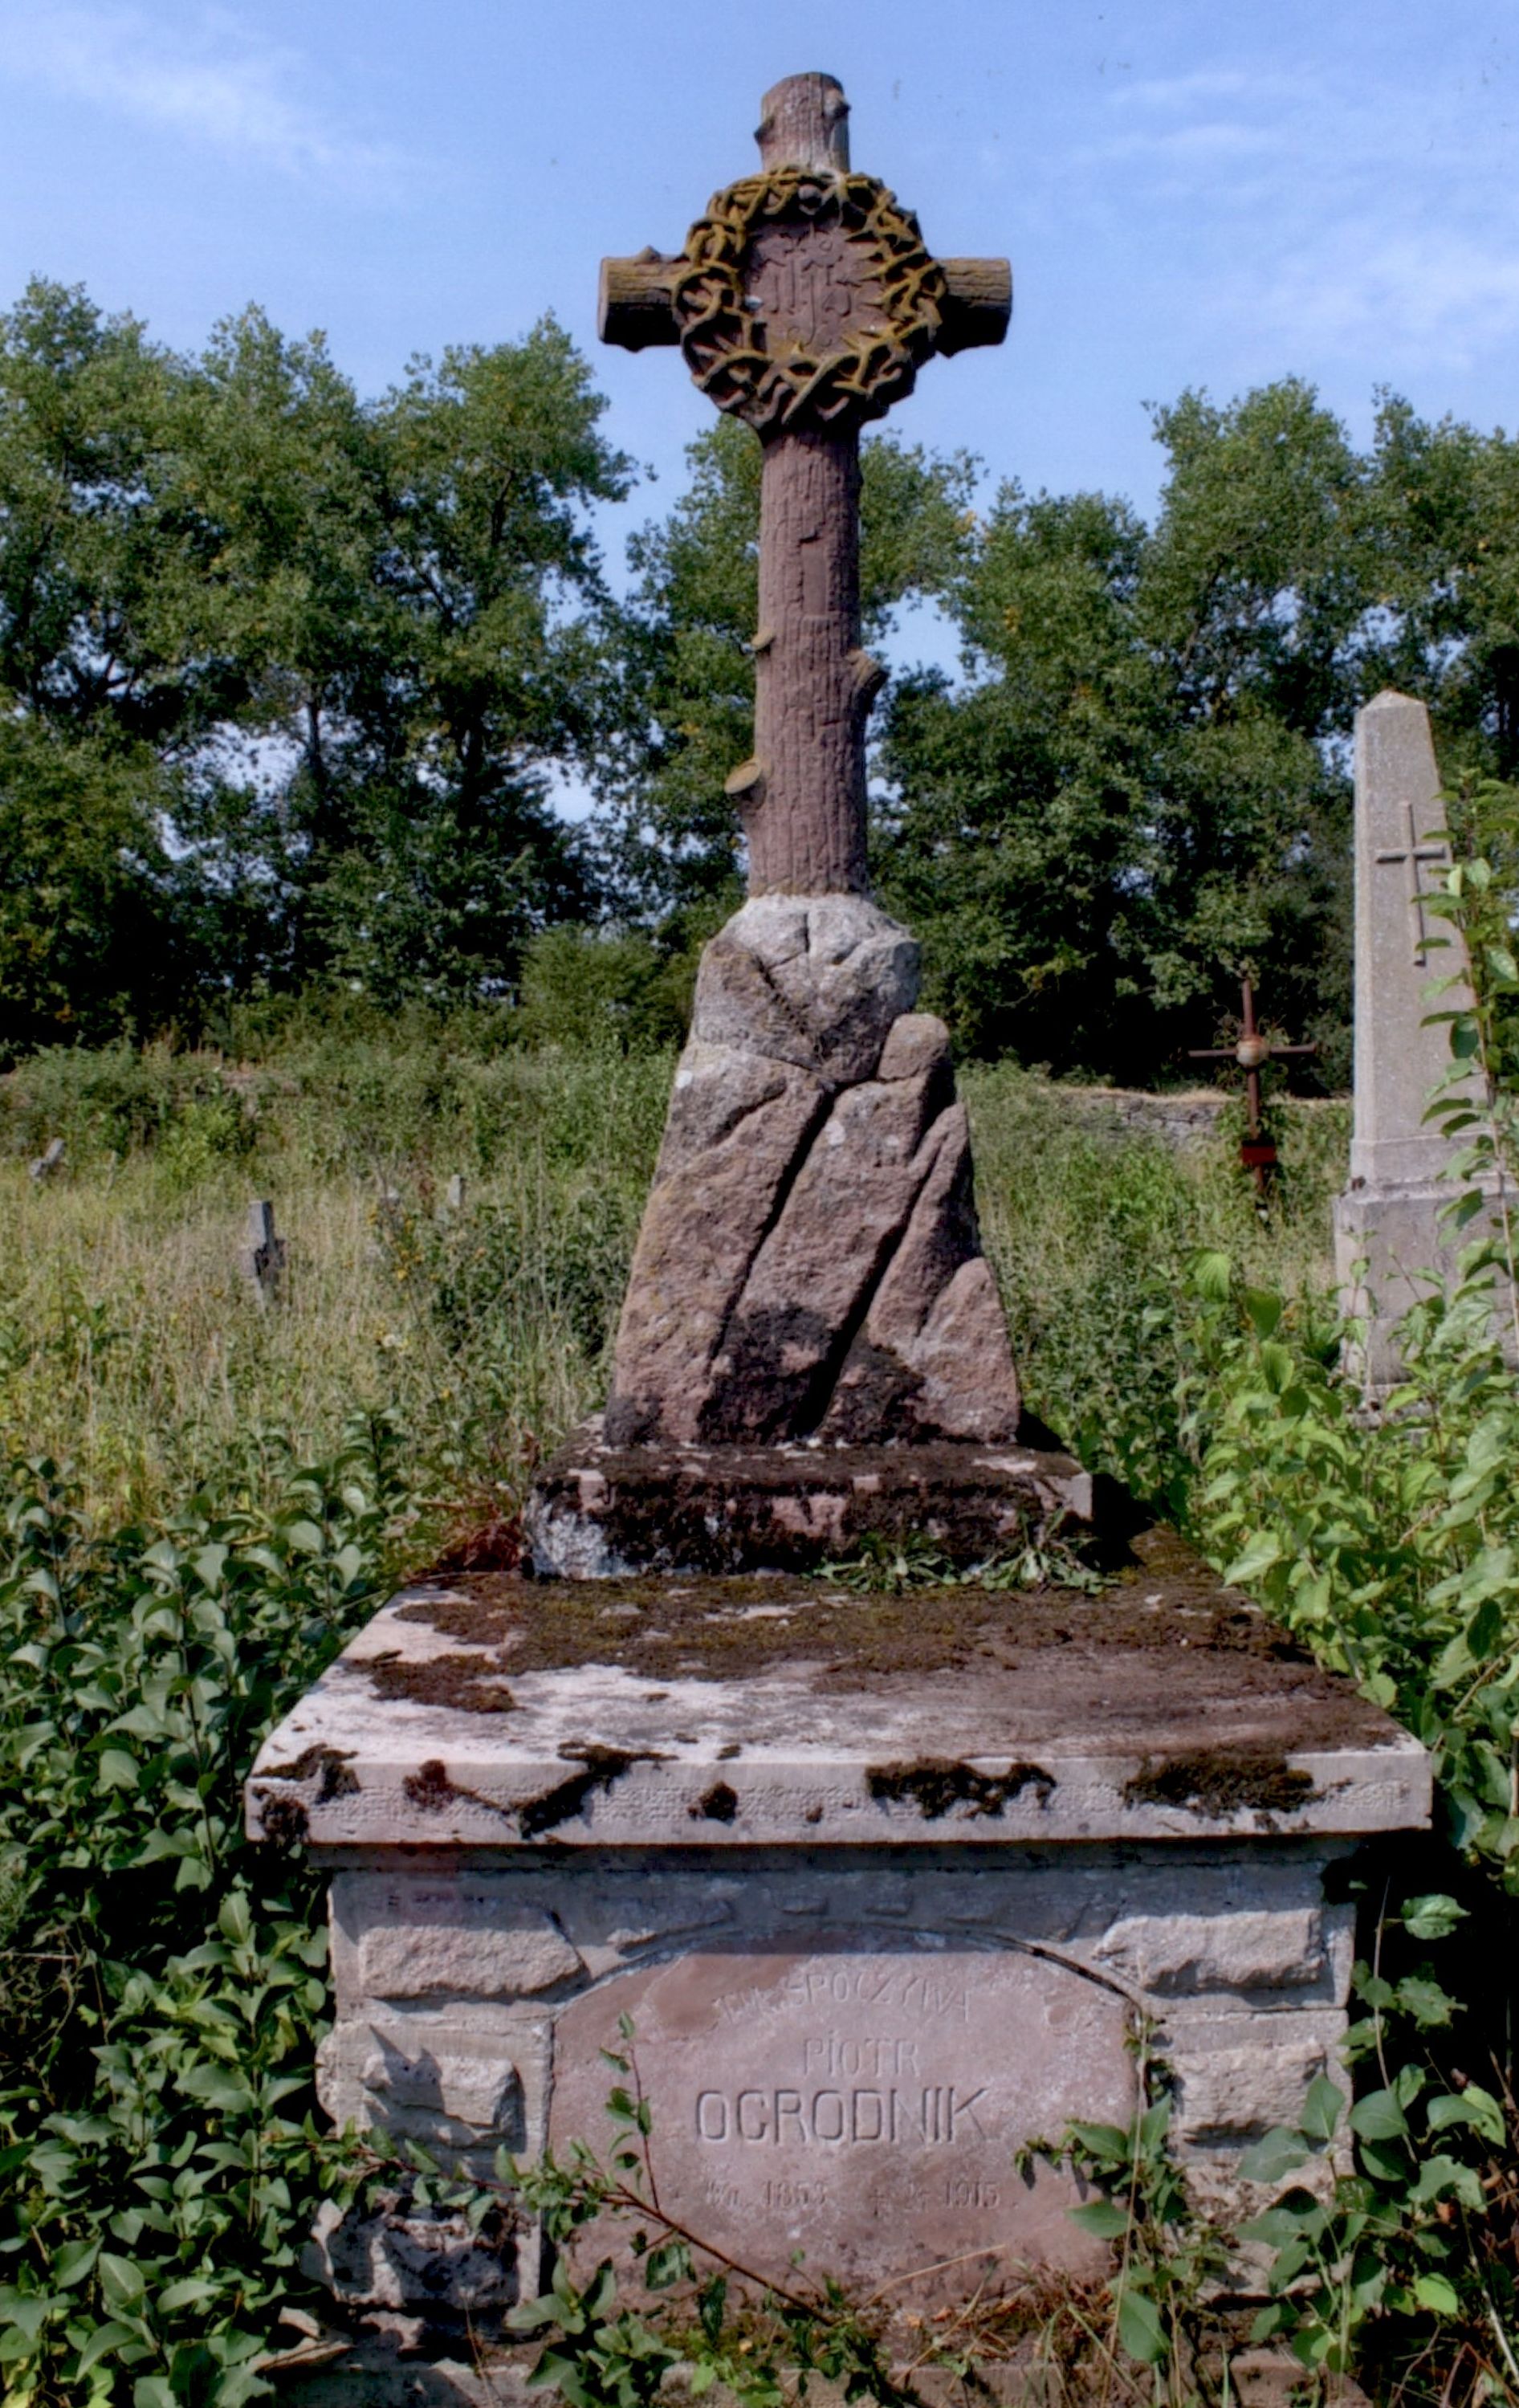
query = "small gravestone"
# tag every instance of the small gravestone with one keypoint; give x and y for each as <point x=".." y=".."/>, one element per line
<point x="46" y="1162"/>
<point x="263" y="1253"/>
<point x="1391" y="1246"/>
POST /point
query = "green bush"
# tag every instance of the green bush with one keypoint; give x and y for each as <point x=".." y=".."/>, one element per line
<point x="164" y="1982"/>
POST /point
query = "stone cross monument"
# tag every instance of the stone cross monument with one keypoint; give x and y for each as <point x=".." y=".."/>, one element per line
<point x="809" y="1266"/>
<point x="884" y="1884"/>
<point x="805" y="303"/>
<point x="1388" y="1217"/>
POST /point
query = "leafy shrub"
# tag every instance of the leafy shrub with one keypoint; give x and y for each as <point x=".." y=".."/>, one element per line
<point x="595" y="991"/>
<point x="119" y="1099"/>
<point x="164" y="1984"/>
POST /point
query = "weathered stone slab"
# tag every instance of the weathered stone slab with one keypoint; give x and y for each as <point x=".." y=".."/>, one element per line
<point x="702" y="1227"/>
<point x="822" y="1259"/>
<point x="516" y="1714"/>
<point x="818" y="1844"/>
<point x="862" y="2103"/>
<point x="599" y="1510"/>
<point x="932" y="1352"/>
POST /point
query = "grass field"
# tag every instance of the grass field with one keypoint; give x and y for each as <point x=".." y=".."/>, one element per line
<point x="133" y="1346"/>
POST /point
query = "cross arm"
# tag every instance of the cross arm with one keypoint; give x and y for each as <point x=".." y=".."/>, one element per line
<point x="635" y="305"/>
<point x="978" y="303"/>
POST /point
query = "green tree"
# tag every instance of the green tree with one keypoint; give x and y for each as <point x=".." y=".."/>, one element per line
<point x="398" y="585"/>
<point x="96" y="703"/>
<point x="1135" y="795"/>
<point x="1445" y="507"/>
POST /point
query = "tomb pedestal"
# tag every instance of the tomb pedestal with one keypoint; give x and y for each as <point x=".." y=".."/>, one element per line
<point x="885" y="1883"/>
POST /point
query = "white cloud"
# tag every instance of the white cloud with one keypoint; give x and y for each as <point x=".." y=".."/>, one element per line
<point x="206" y="79"/>
<point x="1330" y="216"/>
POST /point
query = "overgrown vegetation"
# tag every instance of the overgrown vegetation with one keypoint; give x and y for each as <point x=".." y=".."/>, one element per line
<point x="241" y="1483"/>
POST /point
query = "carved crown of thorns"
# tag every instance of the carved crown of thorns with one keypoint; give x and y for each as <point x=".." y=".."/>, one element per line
<point x="871" y="368"/>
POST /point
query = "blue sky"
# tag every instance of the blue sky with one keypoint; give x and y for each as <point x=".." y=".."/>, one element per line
<point x="1192" y="192"/>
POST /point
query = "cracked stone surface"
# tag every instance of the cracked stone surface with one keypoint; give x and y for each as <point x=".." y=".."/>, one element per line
<point x="810" y="1261"/>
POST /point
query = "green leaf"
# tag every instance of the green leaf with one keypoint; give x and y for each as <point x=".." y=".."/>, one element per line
<point x="1139" y="2328"/>
<point x="116" y="1770"/>
<point x="1108" y="2143"/>
<point x="1265" y="1310"/>
<point x="1425" y="2001"/>
<point x="102" y="2339"/>
<point x="1277" y="1367"/>
<point x="1434" y="2292"/>
<point x="235" y="1918"/>
<point x="121" y="2281"/>
<point x="1443" y="2177"/>
<point x="209" y="1563"/>
<point x="1473" y="2106"/>
<point x="1261" y="1551"/>
<point x="1101" y="2218"/>
<point x="26" y="2311"/>
<point x="1432" y="1916"/>
<point x="1322" y="2108"/>
<point x="74" y="2260"/>
<point x="191" y="2291"/>
<point x="1378" y="2117"/>
<point x="1211" y="1276"/>
<point x="1279" y="2152"/>
<point x="217" y="2085"/>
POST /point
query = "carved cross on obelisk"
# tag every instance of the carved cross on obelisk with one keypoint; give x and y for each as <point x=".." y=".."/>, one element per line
<point x="805" y="303"/>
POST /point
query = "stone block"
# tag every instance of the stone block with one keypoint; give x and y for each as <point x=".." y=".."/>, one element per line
<point x="861" y="2104"/>
<point x="424" y="2267"/>
<point x="450" y="2086"/>
<point x="811" y="1213"/>
<point x="1245" y="1949"/>
<point x="457" y="1956"/>
<point x="603" y="1512"/>
<point x="1237" y="2076"/>
<point x="1393" y="1249"/>
<point x="883" y="1884"/>
<point x="815" y="980"/>
<point x="1389" y="1215"/>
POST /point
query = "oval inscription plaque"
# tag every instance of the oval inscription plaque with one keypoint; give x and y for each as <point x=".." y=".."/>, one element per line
<point x="863" y="2104"/>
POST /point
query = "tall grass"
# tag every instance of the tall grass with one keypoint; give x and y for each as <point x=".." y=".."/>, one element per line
<point x="133" y="1346"/>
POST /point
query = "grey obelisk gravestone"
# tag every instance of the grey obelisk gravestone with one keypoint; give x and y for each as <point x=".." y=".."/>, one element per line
<point x="1388" y="1219"/>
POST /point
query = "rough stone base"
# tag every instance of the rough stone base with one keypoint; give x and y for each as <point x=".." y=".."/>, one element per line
<point x="599" y="1511"/>
<point x="1392" y="1250"/>
<point x="809" y="1262"/>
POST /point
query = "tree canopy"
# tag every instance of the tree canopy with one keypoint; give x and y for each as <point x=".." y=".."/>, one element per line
<point x="287" y="677"/>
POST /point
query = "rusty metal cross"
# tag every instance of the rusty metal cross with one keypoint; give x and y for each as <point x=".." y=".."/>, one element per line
<point x="1415" y="855"/>
<point x="805" y="303"/>
<point x="1252" y="1052"/>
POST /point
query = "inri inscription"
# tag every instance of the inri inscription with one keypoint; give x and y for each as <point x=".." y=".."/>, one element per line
<point x="863" y="2105"/>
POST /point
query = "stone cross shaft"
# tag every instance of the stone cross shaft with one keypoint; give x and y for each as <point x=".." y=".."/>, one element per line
<point x="805" y="302"/>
